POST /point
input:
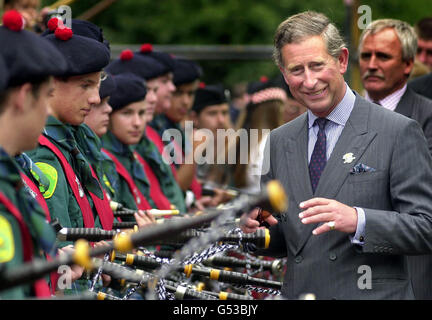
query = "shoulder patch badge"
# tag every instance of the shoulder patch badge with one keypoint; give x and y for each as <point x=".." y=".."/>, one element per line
<point x="7" y="247"/>
<point x="52" y="175"/>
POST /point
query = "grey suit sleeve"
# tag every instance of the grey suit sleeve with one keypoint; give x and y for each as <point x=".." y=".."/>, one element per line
<point x="277" y="246"/>
<point x="408" y="229"/>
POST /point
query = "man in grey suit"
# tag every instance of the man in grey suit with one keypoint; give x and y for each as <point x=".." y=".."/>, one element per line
<point x="358" y="178"/>
<point x="387" y="49"/>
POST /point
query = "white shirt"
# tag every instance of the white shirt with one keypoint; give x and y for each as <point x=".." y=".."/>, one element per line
<point x="391" y="101"/>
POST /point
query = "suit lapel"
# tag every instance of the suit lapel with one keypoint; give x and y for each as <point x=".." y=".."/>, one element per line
<point x="405" y="105"/>
<point x="297" y="182"/>
<point x="297" y="155"/>
<point x="355" y="139"/>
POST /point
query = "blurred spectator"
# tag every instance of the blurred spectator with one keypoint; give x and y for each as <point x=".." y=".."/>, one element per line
<point x="239" y="100"/>
<point x="423" y="29"/>
<point x="210" y="115"/>
<point x="27" y="8"/>
<point x="263" y="113"/>
<point x="35" y="18"/>
<point x="419" y="69"/>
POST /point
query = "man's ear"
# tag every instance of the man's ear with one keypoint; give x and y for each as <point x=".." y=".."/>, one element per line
<point x="409" y="65"/>
<point x="21" y="97"/>
<point x="343" y="60"/>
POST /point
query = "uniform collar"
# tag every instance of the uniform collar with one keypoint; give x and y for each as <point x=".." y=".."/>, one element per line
<point x="61" y="133"/>
<point x="110" y="142"/>
<point x="88" y="142"/>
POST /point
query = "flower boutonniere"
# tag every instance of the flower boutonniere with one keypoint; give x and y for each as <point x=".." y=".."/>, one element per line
<point x="348" y="157"/>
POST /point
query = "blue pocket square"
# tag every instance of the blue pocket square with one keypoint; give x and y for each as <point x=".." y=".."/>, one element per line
<point x="359" y="168"/>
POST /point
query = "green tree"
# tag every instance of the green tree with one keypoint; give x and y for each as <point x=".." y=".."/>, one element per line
<point x="226" y="22"/>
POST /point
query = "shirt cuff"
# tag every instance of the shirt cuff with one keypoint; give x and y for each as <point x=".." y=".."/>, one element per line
<point x="358" y="237"/>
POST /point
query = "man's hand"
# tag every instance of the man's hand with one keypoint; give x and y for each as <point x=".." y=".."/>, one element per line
<point x="326" y="210"/>
<point x="220" y="196"/>
<point x="144" y="218"/>
<point x="249" y="224"/>
<point x="76" y="270"/>
<point x="203" y="202"/>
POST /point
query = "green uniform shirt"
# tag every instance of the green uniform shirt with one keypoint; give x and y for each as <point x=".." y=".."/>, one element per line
<point x="148" y="150"/>
<point x="90" y="145"/>
<point x="59" y="197"/>
<point x="11" y="246"/>
<point x="124" y="153"/>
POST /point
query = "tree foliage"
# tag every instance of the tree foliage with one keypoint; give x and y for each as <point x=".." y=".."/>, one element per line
<point x="203" y="22"/>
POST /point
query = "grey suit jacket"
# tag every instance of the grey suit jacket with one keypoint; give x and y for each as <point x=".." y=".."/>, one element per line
<point x="422" y="85"/>
<point x="419" y="108"/>
<point x="396" y="199"/>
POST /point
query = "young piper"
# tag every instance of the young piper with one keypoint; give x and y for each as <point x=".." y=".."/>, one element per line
<point x="156" y="169"/>
<point x="75" y="195"/>
<point x="186" y="79"/>
<point x="210" y="112"/>
<point x="166" y="87"/>
<point x="162" y="186"/>
<point x="127" y="125"/>
<point x="87" y="139"/>
<point x="95" y="126"/>
<point x="31" y="62"/>
<point x="87" y="134"/>
<point x="160" y="175"/>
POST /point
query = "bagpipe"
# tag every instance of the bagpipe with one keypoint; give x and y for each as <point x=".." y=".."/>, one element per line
<point x="162" y="260"/>
<point x="143" y="279"/>
<point x="260" y="238"/>
<point x="120" y="211"/>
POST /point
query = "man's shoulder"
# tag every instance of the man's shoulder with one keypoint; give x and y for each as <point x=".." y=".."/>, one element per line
<point x="422" y="85"/>
<point x="380" y="116"/>
<point x="43" y="154"/>
<point x="423" y="102"/>
<point x="415" y="106"/>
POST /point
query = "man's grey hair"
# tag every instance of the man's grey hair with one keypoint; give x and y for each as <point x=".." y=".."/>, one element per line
<point x="404" y="32"/>
<point x="304" y="25"/>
